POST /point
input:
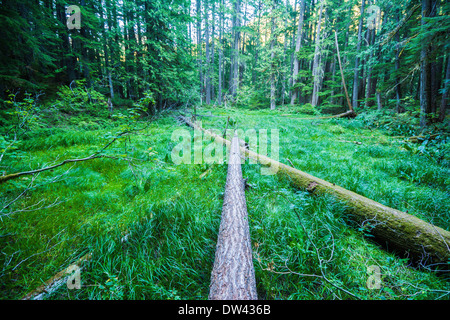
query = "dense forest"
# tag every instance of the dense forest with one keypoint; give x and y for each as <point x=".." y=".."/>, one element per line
<point x="91" y="93"/>
<point x="213" y="52"/>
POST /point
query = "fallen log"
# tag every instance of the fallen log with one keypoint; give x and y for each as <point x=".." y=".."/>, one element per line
<point x="423" y="242"/>
<point x="233" y="274"/>
<point x="348" y="114"/>
<point x="420" y="139"/>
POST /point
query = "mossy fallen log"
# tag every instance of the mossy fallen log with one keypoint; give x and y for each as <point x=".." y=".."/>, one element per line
<point x="348" y="114"/>
<point x="233" y="274"/>
<point x="422" y="242"/>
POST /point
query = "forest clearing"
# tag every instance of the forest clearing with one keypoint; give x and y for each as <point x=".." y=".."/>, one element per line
<point x="224" y="150"/>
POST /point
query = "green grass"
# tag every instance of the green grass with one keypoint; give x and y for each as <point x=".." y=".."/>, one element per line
<point x="304" y="246"/>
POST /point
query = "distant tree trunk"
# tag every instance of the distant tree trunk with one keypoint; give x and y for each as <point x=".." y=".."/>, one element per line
<point x="298" y="46"/>
<point x="350" y="107"/>
<point x="212" y="53"/>
<point x="84" y="52"/>
<point x="435" y="73"/>
<point x="398" y="91"/>
<point x="208" y="58"/>
<point x="425" y="91"/>
<point x="220" y="51"/>
<point x="369" y="78"/>
<point x="272" y="62"/>
<point x="241" y="66"/>
<point x="106" y="54"/>
<point x="199" y="46"/>
<point x="66" y="60"/>
<point x="358" y="49"/>
<point x="292" y="49"/>
<point x="235" y="64"/>
<point x="110" y="45"/>
<point x="316" y="66"/>
<point x="233" y="274"/>
<point x="379" y="104"/>
<point x="258" y="41"/>
<point x="446" y="87"/>
<point x="283" y="87"/>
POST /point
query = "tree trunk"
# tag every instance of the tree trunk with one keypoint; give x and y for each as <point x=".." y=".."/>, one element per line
<point x="235" y="63"/>
<point x="258" y="42"/>
<point x="350" y="107"/>
<point x="208" y="58"/>
<point x="220" y="52"/>
<point x="446" y="87"/>
<point x="379" y="104"/>
<point x="398" y="91"/>
<point x="212" y="52"/>
<point x="358" y="49"/>
<point x="298" y="45"/>
<point x="424" y="94"/>
<point x="272" y="63"/>
<point x="316" y="72"/>
<point x="199" y="46"/>
<point x="402" y="232"/>
<point x="283" y="88"/>
<point x="369" y="78"/>
<point x="434" y="71"/>
<point x="67" y="58"/>
<point x="233" y="274"/>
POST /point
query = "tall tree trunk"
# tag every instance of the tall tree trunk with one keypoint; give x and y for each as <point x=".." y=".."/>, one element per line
<point x="272" y="61"/>
<point x="316" y="72"/>
<point x="106" y="54"/>
<point x="66" y="58"/>
<point x="358" y="49"/>
<point x="446" y="87"/>
<point x="292" y="48"/>
<point x="435" y="74"/>
<point x="258" y="42"/>
<point x="425" y="100"/>
<point x="235" y="64"/>
<point x="199" y="46"/>
<point x="208" y="58"/>
<point x="283" y="86"/>
<point x="398" y="92"/>
<point x="221" y="51"/>
<point x="212" y="53"/>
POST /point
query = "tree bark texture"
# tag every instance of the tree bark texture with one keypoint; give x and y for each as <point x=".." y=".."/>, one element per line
<point x="233" y="274"/>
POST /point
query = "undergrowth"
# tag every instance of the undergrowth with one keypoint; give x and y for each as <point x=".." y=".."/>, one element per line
<point x="151" y="226"/>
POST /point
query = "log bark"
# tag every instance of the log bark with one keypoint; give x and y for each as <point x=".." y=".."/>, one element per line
<point x="233" y="275"/>
<point x="400" y="232"/>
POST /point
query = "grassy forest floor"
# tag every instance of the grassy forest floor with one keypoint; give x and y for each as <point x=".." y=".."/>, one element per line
<point x="304" y="246"/>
